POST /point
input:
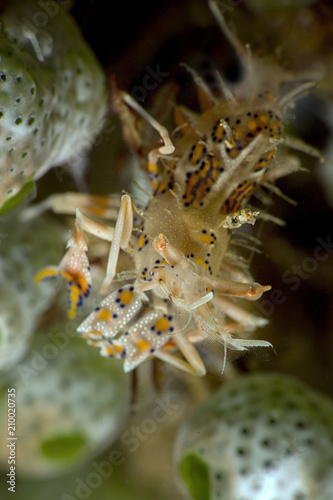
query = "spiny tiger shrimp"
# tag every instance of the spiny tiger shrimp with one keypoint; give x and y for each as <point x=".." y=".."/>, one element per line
<point x="178" y="301"/>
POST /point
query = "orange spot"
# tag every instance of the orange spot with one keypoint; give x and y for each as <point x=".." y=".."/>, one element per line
<point x="252" y="124"/>
<point x="126" y="297"/>
<point x="104" y="314"/>
<point x="197" y="153"/>
<point x="152" y="167"/>
<point x="109" y="350"/>
<point x="264" y="118"/>
<point x="162" y="324"/>
<point x="170" y="344"/>
<point x="92" y="333"/>
<point x="219" y="133"/>
<point x="238" y="133"/>
<point x="118" y="348"/>
<point x="233" y="153"/>
<point x="205" y="238"/>
<point x="142" y="345"/>
<point x="93" y="343"/>
<point x="141" y="240"/>
<point x="200" y="262"/>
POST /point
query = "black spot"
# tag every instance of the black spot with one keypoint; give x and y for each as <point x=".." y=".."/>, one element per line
<point x="301" y="424"/>
<point x="220" y="476"/>
<point x="246" y="431"/>
<point x="291" y="405"/>
<point x="266" y="443"/>
<point x="268" y="464"/>
<point x="272" y="420"/>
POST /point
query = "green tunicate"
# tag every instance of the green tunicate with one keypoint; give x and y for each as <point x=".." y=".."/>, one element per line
<point x="16" y="200"/>
<point x="264" y="435"/>
<point x="195" y="474"/>
<point x="53" y="97"/>
<point x="63" y="447"/>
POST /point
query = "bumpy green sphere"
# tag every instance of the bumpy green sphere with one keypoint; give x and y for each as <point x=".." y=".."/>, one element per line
<point x="52" y="95"/>
<point x="260" y="437"/>
<point x="25" y="248"/>
<point x="71" y="405"/>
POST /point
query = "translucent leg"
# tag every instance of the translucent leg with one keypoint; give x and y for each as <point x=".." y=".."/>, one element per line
<point x="234" y="311"/>
<point x="191" y="364"/>
<point x="249" y="291"/>
<point x="168" y="147"/>
<point x="121" y="237"/>
<point x="66" y="203"/>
